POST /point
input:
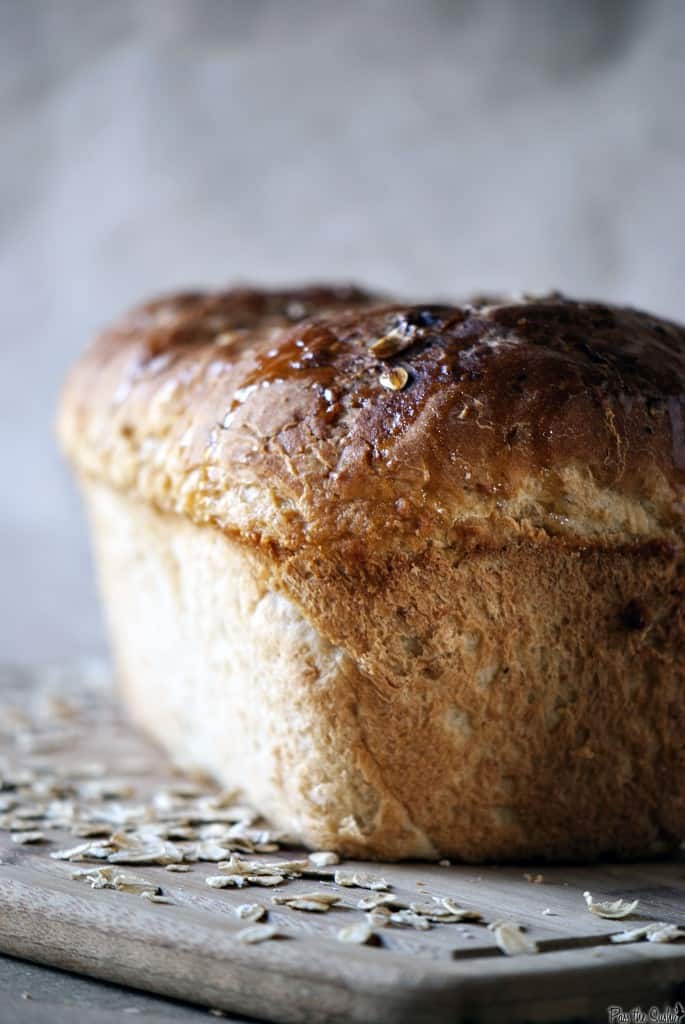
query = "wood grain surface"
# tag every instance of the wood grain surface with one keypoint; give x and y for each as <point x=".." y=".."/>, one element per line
<point x="188" y="948"/>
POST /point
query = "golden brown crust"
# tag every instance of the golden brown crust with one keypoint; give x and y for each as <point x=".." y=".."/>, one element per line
<point x="273" y="415"/>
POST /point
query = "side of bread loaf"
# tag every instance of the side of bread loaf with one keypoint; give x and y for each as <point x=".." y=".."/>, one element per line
<point x="411" y="577"/>
<point x="517" y="706"/>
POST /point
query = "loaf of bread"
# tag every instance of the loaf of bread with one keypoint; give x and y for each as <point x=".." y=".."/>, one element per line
<point x="411" y="577"/>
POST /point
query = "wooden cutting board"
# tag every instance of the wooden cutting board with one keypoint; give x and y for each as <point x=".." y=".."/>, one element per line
<point x="65" y="750"/>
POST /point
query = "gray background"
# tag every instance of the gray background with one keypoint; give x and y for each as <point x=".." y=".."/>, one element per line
<point x="429" y="147"/>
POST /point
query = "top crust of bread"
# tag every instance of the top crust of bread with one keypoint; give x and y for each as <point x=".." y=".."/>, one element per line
<point x="271" y="416"/>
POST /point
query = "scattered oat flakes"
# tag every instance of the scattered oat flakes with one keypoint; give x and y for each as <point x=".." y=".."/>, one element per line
<point x="226" y="881"/>
<point x="324" y="859"/>
<point x="251" y="912"/>
<point x="131" y="883"/>
<point x="631" y="934"/>
<point x="314" y="902"/>
<point x="378" y="918"/>
<point x="534" y="879"/>
<point x="235" y="865"/>
<point x="102" y="877"/>
<point x="239" y="881"/>
<point x="360" y="880"/>
<point x="257" y="933"/>
<point x="658" y="931"/>
<point x="266" y="880"/>
<point x="134" y="884"/>
<point x="511" y="939"/>
<point x="428" y="910"/>
<point x="549" y="913"/>
<point x="79" y="852"/>
<point x="177" y="867"/>
<point x="24" y="838"/>
<point x="459" y="913"/>
<point x="612" y="909"/>
<point x="93" y="875"/>
<point x="158" y="854"/>
<point x="311" y="906"/>
<point x="320" y="895"/>
<point x="410" y="919"/>
<point x="439" y="914"/>
<point x="360" y="933"/>
<point x="283" y="867"/>
<point x="665" y="933"/>
<point x="381" y="899"/>
<point x="154" y="897"/>
<point x="211" y="852"/>
<point x="111" y="878"/>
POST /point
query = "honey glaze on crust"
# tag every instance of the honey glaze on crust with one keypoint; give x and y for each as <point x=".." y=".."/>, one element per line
<point x="316" y="414"/>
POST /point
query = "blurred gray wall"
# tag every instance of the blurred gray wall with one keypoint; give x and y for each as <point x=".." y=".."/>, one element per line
<point x="428" y="146"/>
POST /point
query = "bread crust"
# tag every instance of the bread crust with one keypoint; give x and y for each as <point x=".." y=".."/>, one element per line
<point x="491" y="554"/>
<point x="549" y="415"/>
